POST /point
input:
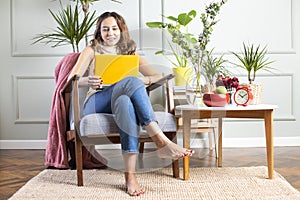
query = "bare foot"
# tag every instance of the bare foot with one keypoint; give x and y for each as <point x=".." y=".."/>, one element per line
<point x="133" y="188"/>
<point x="174" y="151"/>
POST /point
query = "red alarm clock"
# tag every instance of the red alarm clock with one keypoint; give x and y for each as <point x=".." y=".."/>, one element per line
<point x="243" y="95"/>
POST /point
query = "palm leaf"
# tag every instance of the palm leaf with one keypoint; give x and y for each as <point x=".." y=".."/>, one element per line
<point x="253" y="59"/>
<point x="69" y="29"/>
<point x="214" y="66"/>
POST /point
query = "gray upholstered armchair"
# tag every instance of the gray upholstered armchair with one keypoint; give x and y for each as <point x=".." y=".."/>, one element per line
<point x="100" y="128"/>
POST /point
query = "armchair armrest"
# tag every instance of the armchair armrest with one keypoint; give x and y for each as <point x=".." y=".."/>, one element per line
<point x="68" y="94"/>
<point x="169" y="93"/>
<point x="160" y="82"/>
<point x="75" y="101"/>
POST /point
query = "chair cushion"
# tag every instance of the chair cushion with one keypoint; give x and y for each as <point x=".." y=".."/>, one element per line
<point x="166" y="121"/>
<point x="100" y="123"/>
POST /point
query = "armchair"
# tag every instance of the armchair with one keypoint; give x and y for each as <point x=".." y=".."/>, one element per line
<point x="100" y="128"/>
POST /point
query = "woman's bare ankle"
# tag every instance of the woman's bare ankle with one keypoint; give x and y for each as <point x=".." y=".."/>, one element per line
<point x="161" y="141"/>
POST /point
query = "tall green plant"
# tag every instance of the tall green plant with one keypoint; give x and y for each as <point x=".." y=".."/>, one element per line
<point x="178" y="29"/>
<point x="198" y="52"/>
<point x="195" y="50"/>
<point x="253" y="59"/>
<point x="70" y="30"/>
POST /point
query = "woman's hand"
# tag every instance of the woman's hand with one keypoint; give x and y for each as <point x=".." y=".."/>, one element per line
<point x="94" y="82"/>
<point x="91" y="81"/>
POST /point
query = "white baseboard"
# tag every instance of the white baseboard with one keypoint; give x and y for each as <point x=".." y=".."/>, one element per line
<point x="195" y="143"/>
<point x="260" y="142"/>
<point x="23" y="144"/>
<point x="247" y="142"/>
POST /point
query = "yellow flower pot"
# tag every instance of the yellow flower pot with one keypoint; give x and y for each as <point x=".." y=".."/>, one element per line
<point x="181" y="75"/>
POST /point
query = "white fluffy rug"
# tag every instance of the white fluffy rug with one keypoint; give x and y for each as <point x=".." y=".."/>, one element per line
<point x="204" y="183"/>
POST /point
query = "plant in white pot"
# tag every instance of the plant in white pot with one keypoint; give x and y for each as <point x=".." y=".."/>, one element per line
<point x="177" y="27"/>
<point x="253" y="59"/>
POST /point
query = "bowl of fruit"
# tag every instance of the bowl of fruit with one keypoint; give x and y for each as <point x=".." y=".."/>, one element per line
<point x="217" y="98"/>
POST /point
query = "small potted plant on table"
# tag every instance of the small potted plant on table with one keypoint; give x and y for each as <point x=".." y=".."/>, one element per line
<point x="252" y="60"/>
<point x="213" y="67"/>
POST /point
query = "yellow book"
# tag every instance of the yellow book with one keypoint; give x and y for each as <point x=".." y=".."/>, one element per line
<point x="112" y="68"/>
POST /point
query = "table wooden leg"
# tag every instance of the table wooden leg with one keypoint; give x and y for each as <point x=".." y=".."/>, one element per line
<point x="220" y="141"/>
<point x="269" y="142"/>
<point x="186" y="123"/>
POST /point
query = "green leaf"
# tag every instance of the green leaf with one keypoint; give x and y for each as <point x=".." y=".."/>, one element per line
<point x="184" y="19"/>
<point x="253" y="59"/>
<point x="172" y="18"/>
<point x="192" y="13"/>
<point x="69" y="28"/>
<point x="154" y="24"/>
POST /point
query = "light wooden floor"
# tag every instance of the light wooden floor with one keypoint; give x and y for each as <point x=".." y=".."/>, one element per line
<point x="19" y="166"/>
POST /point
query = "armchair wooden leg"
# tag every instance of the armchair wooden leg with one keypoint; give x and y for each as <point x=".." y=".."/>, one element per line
<point x="79" y="163"/>
<point x="141" y="148"/>
<point x="175" y="163"/>
<point x="141" y="151"/>
<point x="175" y="168"/>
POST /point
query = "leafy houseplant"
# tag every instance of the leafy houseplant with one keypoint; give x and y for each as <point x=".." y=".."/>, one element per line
<point x="178" y="26"/>
<point x="71" y="27"/>
<point x="194" y="50"/>
<point x="213" y="67"/>
<point x="252" y="60"/>
<point x="197" y="53"/>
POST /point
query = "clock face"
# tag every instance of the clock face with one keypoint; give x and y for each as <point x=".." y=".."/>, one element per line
<point x="241" y="97"/>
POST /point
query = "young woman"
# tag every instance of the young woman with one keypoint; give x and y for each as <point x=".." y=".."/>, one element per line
<point x="126" y="99"/>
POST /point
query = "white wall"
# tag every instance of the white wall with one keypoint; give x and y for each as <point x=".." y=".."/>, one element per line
<point x="27" y="70"/>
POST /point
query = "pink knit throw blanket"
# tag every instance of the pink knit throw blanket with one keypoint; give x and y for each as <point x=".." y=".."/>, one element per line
<point x="56" y="149"/>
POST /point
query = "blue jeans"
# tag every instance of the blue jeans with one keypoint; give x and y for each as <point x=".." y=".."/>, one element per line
<point x="130" y="104"/>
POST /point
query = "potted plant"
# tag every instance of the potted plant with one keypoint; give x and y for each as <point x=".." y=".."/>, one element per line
<point x="252" y="60"/>
<point x="71" y="26"/>
<point x="213" y="67"/>
<point x="177" y="27"/>
<point x="195" y="50"/>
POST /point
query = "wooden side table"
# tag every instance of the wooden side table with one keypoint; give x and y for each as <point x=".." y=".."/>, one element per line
<point x="261" y="111"/>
